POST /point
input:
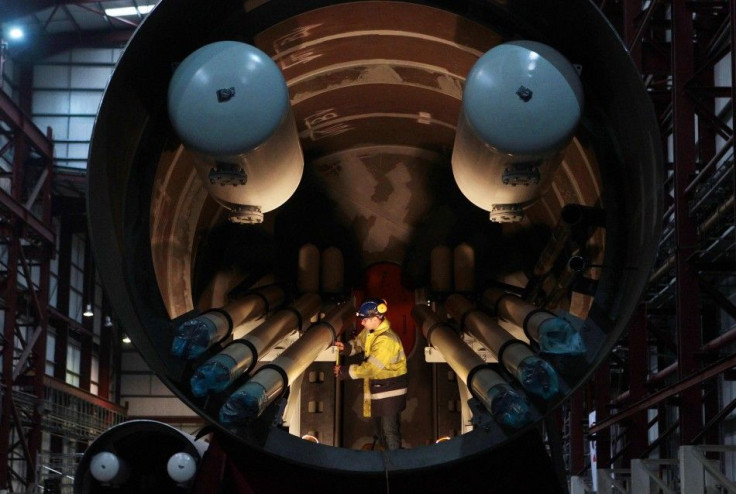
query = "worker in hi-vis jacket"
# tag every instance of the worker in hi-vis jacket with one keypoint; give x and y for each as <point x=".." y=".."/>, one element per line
<point x="383" y="371"/>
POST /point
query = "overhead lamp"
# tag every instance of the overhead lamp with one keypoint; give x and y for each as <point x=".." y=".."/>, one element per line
<point x="15" y="33"/>
<point x="128" y="11"/>
<point x="126" y="339"/>
<point x="108" y="322"/>
<point x="88" y="311"/>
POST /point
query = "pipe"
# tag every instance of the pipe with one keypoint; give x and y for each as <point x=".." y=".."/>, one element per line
<point x="712" y="346"/>
<point x="709" y="167"/>
<point x="720" y="211"/>
<point x="554" y="334"/>
<point x="505" y="405"/>
<point x="702" y="229"/>
<point x="270" y="381"/>
<point x="193" y="337"/>
<point x="241" y="355"/>
<point x="535" y="374"/>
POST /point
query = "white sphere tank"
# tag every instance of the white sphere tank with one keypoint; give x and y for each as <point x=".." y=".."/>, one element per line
<point x="107" y="468"/>
<point x="229" y="104"/>
<point x="522" y="103"/>
<point x="181" y="467"/>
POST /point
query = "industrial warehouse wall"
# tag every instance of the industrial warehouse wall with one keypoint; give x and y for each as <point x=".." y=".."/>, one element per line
<point x="145" y="396"/>
<point x="67" y="90"/>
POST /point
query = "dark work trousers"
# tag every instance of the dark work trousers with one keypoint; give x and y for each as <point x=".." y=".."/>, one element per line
<point x="388" y="431"/>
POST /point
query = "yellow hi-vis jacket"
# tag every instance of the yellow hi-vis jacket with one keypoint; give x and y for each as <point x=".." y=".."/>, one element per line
<point x="383" y="370"/>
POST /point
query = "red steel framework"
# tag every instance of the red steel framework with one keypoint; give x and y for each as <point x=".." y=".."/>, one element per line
<point x="676" y="44"/>
<point x="32" y="402"/>
<point x="25" y="219"/>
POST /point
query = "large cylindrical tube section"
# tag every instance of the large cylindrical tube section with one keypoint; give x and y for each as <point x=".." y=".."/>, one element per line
<point x="376" y="90"/>
<point x="139" y="456"/>
<point x="254" y="304"/>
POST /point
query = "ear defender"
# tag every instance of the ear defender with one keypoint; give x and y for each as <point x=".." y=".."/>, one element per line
<point x="372" y="307"/>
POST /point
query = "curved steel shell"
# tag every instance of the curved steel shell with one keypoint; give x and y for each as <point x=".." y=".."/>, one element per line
<point x="376" y="89"/>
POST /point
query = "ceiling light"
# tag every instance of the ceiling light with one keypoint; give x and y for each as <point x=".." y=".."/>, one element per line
<point x="15" y="33"/>
<point x="127" y="11"/>
<point x="126" y="339"/>
<point x="88" y="311"/>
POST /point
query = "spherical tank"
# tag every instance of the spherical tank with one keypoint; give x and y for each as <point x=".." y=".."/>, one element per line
<point x="229" y="104"/>
<point x="521" y="106"/>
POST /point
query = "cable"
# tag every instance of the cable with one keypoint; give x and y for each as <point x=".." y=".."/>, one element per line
<point x="386" y="463"/>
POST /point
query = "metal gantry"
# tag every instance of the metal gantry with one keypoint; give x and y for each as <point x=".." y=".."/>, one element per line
<point x="28" y="242"/>
<point x="33" y="403"/>
<point x="672" y="353"/>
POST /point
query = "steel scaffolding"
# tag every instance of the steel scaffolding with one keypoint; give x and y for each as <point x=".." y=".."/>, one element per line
<point x="681" y="48"/>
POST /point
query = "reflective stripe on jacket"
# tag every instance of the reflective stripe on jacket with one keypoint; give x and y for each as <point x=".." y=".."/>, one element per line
<point x="383" y="371"/>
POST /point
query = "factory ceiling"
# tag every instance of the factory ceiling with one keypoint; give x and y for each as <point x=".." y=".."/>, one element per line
<point x="52" y="26"/>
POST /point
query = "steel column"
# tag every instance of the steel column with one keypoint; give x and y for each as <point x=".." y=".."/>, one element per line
<point x="11" y="299"/>
<point x="638" y="342"/>
<point x="29" y="240"/>
<point x="41" y="302"/>
<point x="687" y="292"/>
<point x="62" y="304"/>
<point x="602" y="387"/>
<point x="577" y="438"/>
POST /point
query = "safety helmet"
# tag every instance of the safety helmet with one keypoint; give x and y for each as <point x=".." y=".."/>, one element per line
<point x="372" y="307"/>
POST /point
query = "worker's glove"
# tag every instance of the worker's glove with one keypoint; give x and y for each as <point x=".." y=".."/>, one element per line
<point x="345" y="348"/>
<point x="341" y="372"/>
